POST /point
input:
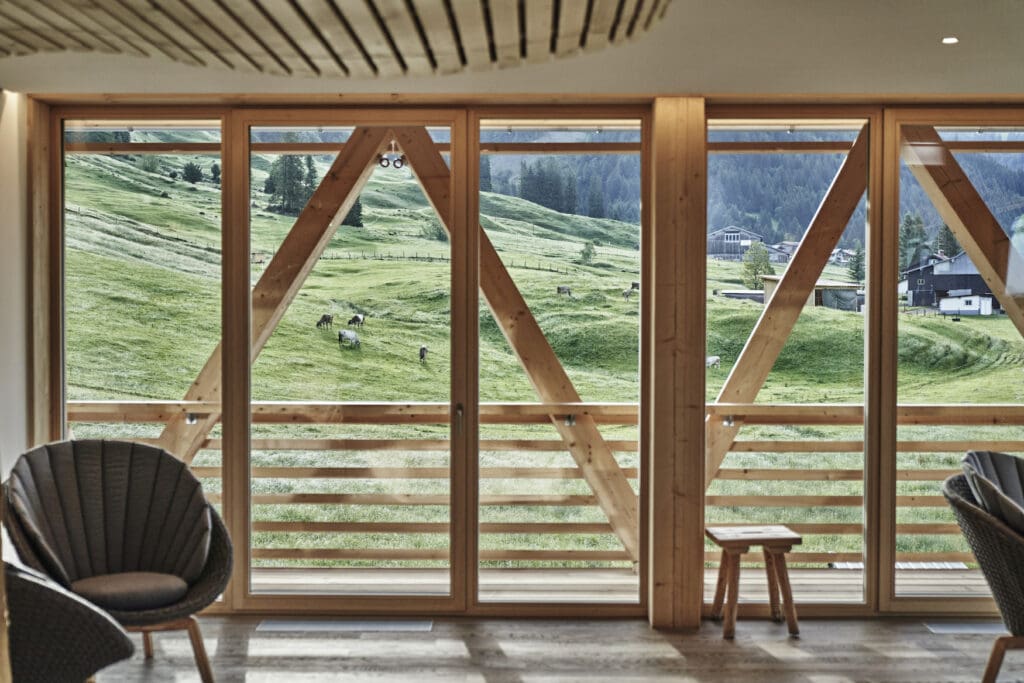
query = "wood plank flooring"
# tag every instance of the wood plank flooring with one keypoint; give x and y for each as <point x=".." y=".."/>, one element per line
<point x="534" y="651"/>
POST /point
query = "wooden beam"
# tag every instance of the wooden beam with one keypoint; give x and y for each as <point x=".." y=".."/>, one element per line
<point x="783" y="309"/>
<point x="964" y="211"/>
<point x="283" y="276"/>
<point x="675" y="430"/>
<point x="545" y="372"/>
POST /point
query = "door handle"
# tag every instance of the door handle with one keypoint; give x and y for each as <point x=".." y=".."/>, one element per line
<point x="459" y="411"/>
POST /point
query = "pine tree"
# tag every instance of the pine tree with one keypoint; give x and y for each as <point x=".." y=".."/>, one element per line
<point x="309" y="182"/>
<point x="913" y="241"/>
<point x="215" y="173"/>
<point x="856" y="266"/>
<point x="485" y="173"/>
<point x="756" y="264"/>
<point x="595" y="198"/>
<point x="289" y="193"/>
<point x="354" y="217"/>
<point x="269" y="185"/>
<point x="946" y="242"/>
<point x="191" y="173"/>
<point x="569" y="195"/>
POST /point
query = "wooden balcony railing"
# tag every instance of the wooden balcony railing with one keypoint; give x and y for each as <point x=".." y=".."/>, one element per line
<point x="810" y="508"/>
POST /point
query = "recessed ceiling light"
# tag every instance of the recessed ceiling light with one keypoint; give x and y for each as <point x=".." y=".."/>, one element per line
<point x="950" y="40"/>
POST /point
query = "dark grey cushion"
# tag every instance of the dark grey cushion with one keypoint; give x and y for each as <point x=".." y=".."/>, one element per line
<point x="131" y="590"/>
<point x="997" y="482"/>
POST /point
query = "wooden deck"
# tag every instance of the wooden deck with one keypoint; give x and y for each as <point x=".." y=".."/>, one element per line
<point x="604" y="585"/>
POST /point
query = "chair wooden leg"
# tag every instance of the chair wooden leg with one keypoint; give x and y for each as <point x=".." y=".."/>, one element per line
<point x="773" y="586"/>
<point x="723" y="578"/>
<point x="199" y="650"/>
<point x="732" y="603"/>
<point x="147" y="644"/>
<point x="995" y="659"/>
<point x="782" y="574"/>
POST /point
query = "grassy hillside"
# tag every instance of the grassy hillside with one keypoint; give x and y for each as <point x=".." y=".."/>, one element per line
<point x="143" y="315"/>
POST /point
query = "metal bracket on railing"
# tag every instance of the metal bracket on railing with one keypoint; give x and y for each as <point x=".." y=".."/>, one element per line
<point x="191" y="419"/>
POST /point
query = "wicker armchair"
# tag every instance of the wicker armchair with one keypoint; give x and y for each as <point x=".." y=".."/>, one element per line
<point x="1000" y="554"/>
<point x="124" y="525"/>
<point x="56" y="636"/>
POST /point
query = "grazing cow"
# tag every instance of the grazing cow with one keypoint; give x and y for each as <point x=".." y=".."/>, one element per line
<point x="634" y="285"/>
<point x="423" y="353"/>
<point x="565" y="289"/>
<point x="357" y="319"/>
<point x="326" y="320"/>
<point x="348" y="336"/>
<point x="713" y="361"/>
<point x="626" y="293"/>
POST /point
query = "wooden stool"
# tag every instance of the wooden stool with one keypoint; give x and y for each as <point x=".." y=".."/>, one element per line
<point x="736" y="540"/>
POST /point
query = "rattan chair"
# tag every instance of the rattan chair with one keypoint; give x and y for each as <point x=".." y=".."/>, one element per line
<point x="56" y="636"/>
<point x="127" y="527"/>
<point x="1000" y="554"/>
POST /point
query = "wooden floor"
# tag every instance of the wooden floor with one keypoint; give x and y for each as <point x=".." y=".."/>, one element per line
<point x="534" y="651"/>
<point x="605" y="585"/>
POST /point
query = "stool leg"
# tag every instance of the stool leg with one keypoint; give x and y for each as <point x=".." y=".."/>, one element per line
<point x="773" y="586"/>
<point x="782" y="573"/>
<point x="723" y="578"/>
<point x="732" y="603"/>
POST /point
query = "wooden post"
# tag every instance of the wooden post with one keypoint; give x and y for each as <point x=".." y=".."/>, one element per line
<point x="284" y="276"/>
<point x="676" y="381"/>
<point x="783" y="309"/>
<point x="965" y="212"/>
<point x="583" y="439"/>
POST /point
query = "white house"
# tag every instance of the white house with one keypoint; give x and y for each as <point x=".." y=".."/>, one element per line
<point x="966" y="305"/>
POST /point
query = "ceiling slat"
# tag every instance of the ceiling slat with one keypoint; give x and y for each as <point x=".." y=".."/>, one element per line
<point x="469" y="16"/>
<point x="95" y="18"/>
<point x="334" y="38"/>
<point x="195" y="18"/>
<point x="303" y="31"/>
<point x="30" y="32"/>
<point x="333" y="29"/>
<point x="402" y="28"/>
<point x="538" y="29"/>
<point x="55" y="24"/>
<point x="375" y="42"/>
<point x="152" y="14"/>
<point x="571" y="16"/>
<point x="630" y="11"/>
<point x="602" y="16"/>
<point x="505" y="28"/>
<point x="250" y="15"/>
<point x="434" y="19"/>
<point x="120" y="13"/>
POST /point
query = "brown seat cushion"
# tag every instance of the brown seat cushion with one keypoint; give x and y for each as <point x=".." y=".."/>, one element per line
<point x="129" y="591"/>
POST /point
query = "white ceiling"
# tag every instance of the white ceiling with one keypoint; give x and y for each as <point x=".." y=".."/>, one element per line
<point x="715" y="47"/>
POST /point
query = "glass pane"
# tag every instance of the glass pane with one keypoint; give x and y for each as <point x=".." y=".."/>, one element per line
<point x="956" y="346"/>
<point x="566" y="229"/>
<point x="807" y="477"/>
<point x="351" y="495"/>
<point x="142" y="269"/>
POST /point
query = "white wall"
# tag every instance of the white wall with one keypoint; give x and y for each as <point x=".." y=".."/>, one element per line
<point x="13" y="279"/>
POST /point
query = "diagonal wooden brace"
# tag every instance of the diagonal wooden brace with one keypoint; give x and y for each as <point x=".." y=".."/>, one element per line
<point x="783" y="309"/>
<point x="583" y="439"/>
<point x="284" y="276"/>
<point x="964" y="211"/>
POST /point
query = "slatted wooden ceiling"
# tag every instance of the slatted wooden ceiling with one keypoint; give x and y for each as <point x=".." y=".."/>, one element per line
<point x="355" y="38"/>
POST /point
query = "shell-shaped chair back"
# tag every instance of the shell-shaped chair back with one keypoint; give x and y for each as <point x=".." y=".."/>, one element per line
<point x="89" y="508"/>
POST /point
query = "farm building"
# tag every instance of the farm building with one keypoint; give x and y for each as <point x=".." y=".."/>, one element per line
<point x="842" y="296"/>
<point x="966" y="304"/>
<point x="499" y="482"/>
<point x="936" y="279"/>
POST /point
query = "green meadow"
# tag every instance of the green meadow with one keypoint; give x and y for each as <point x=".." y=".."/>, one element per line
<point x="142" y="306"/>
